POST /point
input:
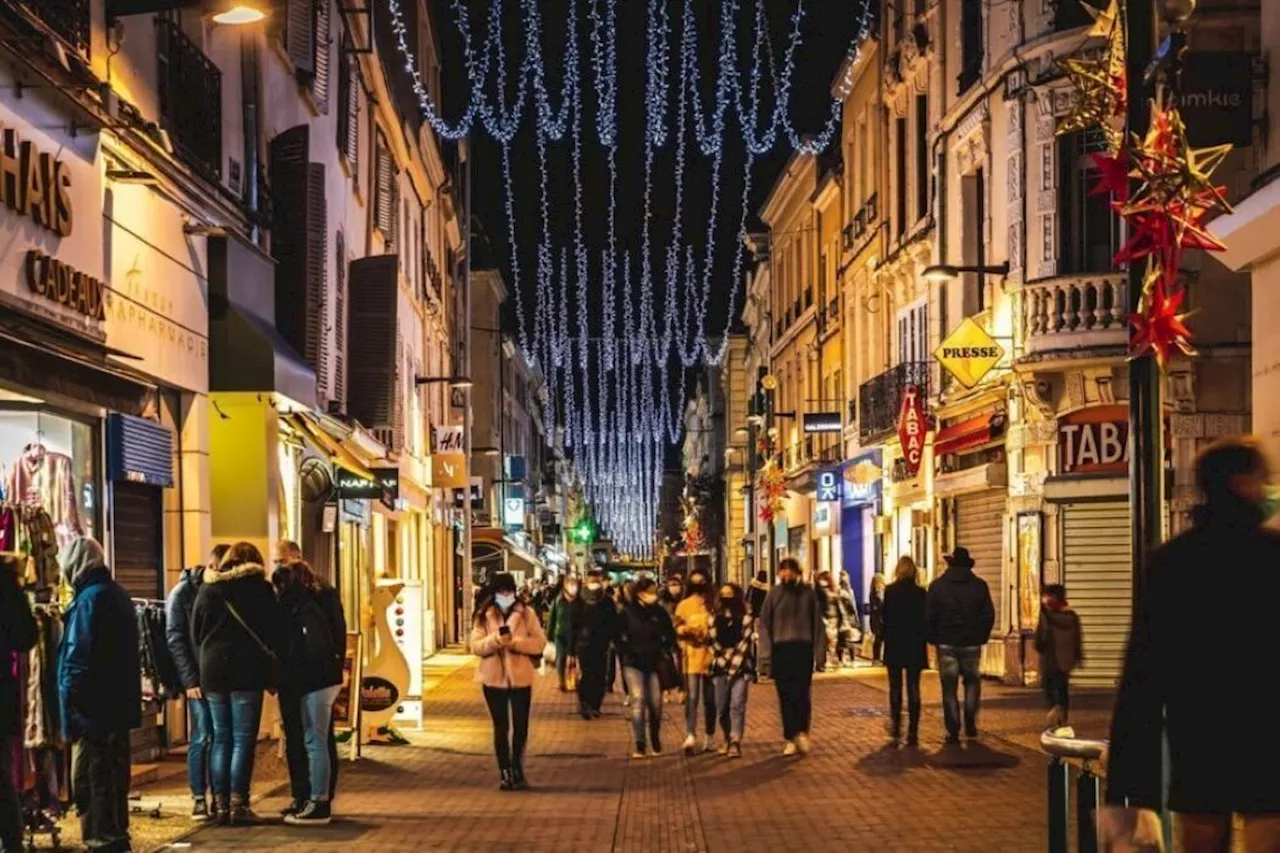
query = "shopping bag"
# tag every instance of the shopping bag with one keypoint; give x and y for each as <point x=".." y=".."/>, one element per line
<point x="549" y="653"/>
<point x="571" y="675"/>
<point x="1128" y="830"/>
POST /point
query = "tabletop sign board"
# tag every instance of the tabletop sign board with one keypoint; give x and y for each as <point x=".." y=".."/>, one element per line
<point x="969" y="353"/>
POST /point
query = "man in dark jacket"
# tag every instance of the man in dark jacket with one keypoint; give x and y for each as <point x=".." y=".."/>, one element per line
<point x="596" y="628"/>
<point x="17" y="636"/>
<point x="960" y="617"/>
<point x="100" y="692"/>
<point x="562" y="627"/>
<point x="177" y="635"/>
<point x="1198" y="655"/>
<point x="793" y="643"/>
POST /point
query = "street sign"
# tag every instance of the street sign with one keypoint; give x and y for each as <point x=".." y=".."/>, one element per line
<point x="828" y="488"/>
<point x="822" y="422"/>
<point x="969" y="353"/>
<point x="911" y="428"/>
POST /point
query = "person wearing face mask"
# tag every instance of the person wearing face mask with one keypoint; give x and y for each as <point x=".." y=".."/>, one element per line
<point x="793" y="643"/>
<point x="693" y="629"/>
<point x="831" y="617"/>
<point x="505" y="636"/>
<point x="733" y="634"/>
<point x="670" y="596"/>
<point x="562" y="628"/>
<point x="1194" y="673"/>
<point x="645" y="637"/>
<point x="595" y="633"/>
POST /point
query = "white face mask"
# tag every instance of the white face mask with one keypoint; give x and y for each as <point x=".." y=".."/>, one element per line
<point x="505" y="601"/>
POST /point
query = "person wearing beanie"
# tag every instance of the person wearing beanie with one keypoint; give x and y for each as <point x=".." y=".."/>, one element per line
<point x="100" y="694"/>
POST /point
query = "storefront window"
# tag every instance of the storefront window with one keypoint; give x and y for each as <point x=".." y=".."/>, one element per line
<point x="50" y="461"/>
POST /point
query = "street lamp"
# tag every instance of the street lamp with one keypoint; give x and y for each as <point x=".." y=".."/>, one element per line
<point x="941" y="273"/>
<point x="459" y="382"/>
<point x="229" y="12"/>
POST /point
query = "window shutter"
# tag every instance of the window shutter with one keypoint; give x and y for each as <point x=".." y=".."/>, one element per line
<point x="340" y="321"/>
<point x="320" y="82"/>
<point x="372" y="359"/>
<point x="348" y="107"/>
<point x="385" y="209"/>
<point x="300" y="36"/>
<point x="316" y="273"/>
<point x="298" y="246"/>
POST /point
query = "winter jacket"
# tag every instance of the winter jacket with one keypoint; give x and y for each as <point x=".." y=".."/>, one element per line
<point x="99" y="674"/>
<point x="597" y="624"/>
<point x="511" y="666"/>
<point x="875" y="608"/>
<point x="792" y="614"/>
<point x="848" y="609"/>
<point x="645" y="635"/>
<point x="903" y="625"/>
<point x="958" y="609"/>
<point x="177" y="630"/>
<point x="17" y="636"/>
<point x="693" y="630"/>
<point x="733" y="640"/>
<point x="230" y="658"/>
<point x="317" y="639"/>
<point x="566" y="614"/>
<point x="1059" y="641"/>
<point x="1198" y="657"/>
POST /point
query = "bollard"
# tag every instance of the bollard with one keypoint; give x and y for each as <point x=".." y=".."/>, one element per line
<point x="1087" y="812"/>
<point x="1059" y="803"/>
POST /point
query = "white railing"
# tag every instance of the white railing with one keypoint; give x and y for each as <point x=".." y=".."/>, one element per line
<point x="1074" y="312"/>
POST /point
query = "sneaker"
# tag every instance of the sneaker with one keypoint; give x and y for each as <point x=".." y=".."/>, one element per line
<point x="724" y="749"/>
<point x="638" y="752"/>
<point x="657" y="745"/>
<point x="790" y="749"/>
<point x="314" y="813"/>
<point x="708" y="744"/>
<point x="690" y="745"/>
<point x="242" y="815"/>
<point x="200" y="810"/>
<point x="803" y="744"/>
<point x="505" y="781"/>
<point x="735" y="750"/>
<point x="952" y="740"/>
<point x="294" y="807"/>
<point x="518" y="782"/>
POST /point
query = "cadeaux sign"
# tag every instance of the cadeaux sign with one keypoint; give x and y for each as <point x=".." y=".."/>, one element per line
<point x="912" y="428"/>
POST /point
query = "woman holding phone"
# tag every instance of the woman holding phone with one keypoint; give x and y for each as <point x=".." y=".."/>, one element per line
<point x="506" y="637"/>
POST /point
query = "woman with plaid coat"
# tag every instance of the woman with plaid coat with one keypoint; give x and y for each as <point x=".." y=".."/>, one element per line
<point x="733" y="634"/>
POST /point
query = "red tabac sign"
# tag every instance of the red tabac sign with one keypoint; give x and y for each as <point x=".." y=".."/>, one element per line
<point x="911" y="429"/>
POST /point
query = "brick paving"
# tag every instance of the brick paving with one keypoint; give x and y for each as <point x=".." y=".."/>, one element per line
<point x="852" y="793"/>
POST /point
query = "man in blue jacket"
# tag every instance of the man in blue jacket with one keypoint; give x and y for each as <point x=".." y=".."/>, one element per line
<point x="100" y="693"/>
<point x="177" y="635"/>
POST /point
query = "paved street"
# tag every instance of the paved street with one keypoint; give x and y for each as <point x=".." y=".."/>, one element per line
<point x="852" y="793"/>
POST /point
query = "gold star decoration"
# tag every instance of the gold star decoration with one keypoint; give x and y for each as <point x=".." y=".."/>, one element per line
<point x="1100" y="85"/>
<point x="1173" y="172"/>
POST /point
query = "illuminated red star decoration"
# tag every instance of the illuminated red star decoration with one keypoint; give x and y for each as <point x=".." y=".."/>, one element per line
<point x="1158" y="328"/>
<point x="1113" y="176"/>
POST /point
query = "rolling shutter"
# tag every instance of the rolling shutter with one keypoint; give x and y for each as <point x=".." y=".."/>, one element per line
<point x="136" y="538"/>
<point x="980" y="528"/>
<point x="1098" y="571"/>
<point x="372" y="359"/>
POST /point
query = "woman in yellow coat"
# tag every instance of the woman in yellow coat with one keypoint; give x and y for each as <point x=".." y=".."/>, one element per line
<point x="693" y="630"/>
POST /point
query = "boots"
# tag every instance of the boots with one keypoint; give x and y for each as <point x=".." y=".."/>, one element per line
<point x="241" y="814"/>
<point x="518" y="782"/>
<point x="221" y="811"/>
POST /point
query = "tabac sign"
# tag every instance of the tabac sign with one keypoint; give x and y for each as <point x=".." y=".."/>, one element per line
<point x="912" y="428"/>
<point x="969" y="353"/>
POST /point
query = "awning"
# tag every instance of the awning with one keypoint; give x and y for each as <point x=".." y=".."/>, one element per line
<point x="327" y="444"/>
<point x="963" y="436"/>
<point x="488" y="545"/>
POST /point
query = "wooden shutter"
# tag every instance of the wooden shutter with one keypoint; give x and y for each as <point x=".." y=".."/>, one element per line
<point x="300" y="36"/>
<point x="320" y="82"/>
<point x="371" y="337"/>
<point x="340" y="321"/>
<point x="298" y="246"/>
<point x="317" y="236"/>
<point x="349" y="107"/>
<point x="385" y="203"/>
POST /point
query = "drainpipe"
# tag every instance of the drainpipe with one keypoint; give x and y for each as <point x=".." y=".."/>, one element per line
<point x="249" y="107"/>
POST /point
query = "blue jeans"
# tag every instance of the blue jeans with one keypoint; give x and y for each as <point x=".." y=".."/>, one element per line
<point x="956" y="663"/>
<point x="646" y="695"/>
<point x="236" y="717"/>
<point x="317" y="712"/>
<point x="731" y="705"/>
<point x="699" y="691"/>
<point x="198" y="746"/>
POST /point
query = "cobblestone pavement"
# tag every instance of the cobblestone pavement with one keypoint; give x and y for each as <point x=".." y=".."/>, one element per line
<point x="853" y="793"/>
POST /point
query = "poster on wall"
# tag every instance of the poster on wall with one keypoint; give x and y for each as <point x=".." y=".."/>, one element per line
<point x="1030" y="556"/>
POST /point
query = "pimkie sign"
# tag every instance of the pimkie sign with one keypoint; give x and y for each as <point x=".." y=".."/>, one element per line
<point x="912" y="428"/>
<point x="969" y="353"/>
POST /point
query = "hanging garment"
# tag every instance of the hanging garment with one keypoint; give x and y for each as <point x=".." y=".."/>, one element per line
<point x="8" y="529"/>
<point x="43" y="720"/>
<point x="45" y="479"/>
<point x="158" y="664"/>
<point x="39" y="540"/>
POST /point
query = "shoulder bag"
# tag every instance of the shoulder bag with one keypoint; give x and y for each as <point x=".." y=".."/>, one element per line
<point x="275" y="668"/>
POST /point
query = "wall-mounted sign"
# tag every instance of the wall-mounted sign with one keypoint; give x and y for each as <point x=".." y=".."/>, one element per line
<point x="351" y="486"/>
<point x="862" y="478"/>
<point x="389" y="480"/>
<point x="449" y="459"/>
<point x="969" y="353"/>
<point x="822" y="422"/>
<point x="828" y="485"/>
<point x="34" y="184"/>
<point x="1216" y="97"/>
<point x="1094" y="441"/>
<point x="912" y="428"/>
<point x="513" y="513"/>
<point x="51" y="279"/>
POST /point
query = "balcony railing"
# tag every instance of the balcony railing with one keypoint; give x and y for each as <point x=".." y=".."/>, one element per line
<point x="190" y="89"/>
<point x="68" y="18"/>
<point x="880" y="399"/>
<point x="1074" y="313"/>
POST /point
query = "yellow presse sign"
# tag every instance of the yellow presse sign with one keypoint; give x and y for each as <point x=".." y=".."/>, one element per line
<point x="969" y="353"/>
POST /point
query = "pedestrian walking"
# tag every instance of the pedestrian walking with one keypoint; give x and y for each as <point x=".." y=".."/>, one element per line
<point x="733" y="637"/>
<point x="960" y="616"/>
<point x="18" y="634"/>
<point x="670" y="596"/>
<point x="905" y="654"/>
<point x="793" y="642"/>
<point x="850" y="625"/>
<point x="100" y="694"/>
<point x="506" y="637"/>
<point x="177" y="634"/>
<point x="595" y="635"/>
<point x="875" y="617"/>
<point x="1195" y="671"/>
<point x="829" y="601"/>
<point x="756" y="594"/>
<point x="318" y="636"/>
<point x="693" y="630"/>
<point x="237" y="626"/>
<point x="562" y="629"/>
<point x="1061" y="646"/>
<point x="646" y="639"/>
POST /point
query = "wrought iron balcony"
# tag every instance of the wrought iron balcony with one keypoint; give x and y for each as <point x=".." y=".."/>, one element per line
<point x="880" y="399"/>
<point x="190" y="89"/>
<point x="68" y="18"/>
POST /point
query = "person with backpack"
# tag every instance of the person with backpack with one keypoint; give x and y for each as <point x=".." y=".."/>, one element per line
<point x="1061" y="647"/>
<point x="238" y="630"/>
<point x="507" y="636"/>
<point x="959" y="616"/>
<point x="312" y="679"/>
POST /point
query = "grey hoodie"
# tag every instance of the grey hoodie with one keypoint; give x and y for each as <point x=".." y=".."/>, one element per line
<point x="82" y="556"/>
<point x="792" y="614"/>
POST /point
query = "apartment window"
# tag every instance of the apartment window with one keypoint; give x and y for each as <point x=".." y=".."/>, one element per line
<point x="970" y="43"/>
<point x="922" y="156"/>
<point x="900" y="128"/>
<point x="349" y="108"/>
<point x="913" y="333"/>
<point x="1089" y="235"/>
<point x="189" y="86"/>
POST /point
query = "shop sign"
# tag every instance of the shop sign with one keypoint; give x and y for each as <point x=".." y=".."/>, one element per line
<point x="61" y="284"/>
<point x="912" y="428"/>
<point x="35" y="184"/>
<point x="449" y="459"/>
<point x="862" y="477"/>
<point x="513" y="513"/>
<point x="477" y="495"/>
<point x="389" y="480"/>
<point x="828" y="486"/>
<point x="969" y="353"/>
<point x="350" y="486"/>
<point x="377" y="694"/>
<point x="822" y="518"/>
<point x="1094" y="441"/>
<point x="1216" y="97"/>
<point x="822" y="422"/>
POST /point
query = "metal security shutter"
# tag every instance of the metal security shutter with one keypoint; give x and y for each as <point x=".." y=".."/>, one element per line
<point x="1098" y="572"/>
<point x="979" y="527"/>
<point x="137" y="539"/>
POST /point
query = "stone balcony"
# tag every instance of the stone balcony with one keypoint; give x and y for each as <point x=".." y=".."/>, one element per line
<point x="1071" y="314"/>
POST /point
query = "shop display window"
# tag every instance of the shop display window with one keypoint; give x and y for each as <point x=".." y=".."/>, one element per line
<point x="52" y="461"/>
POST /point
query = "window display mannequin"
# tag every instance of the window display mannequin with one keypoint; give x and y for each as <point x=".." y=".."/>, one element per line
<point x="40" y="477"/>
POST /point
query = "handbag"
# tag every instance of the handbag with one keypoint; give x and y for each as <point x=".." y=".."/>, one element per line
<point x="275" y="667"/>
<point x="668" y="672"/>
